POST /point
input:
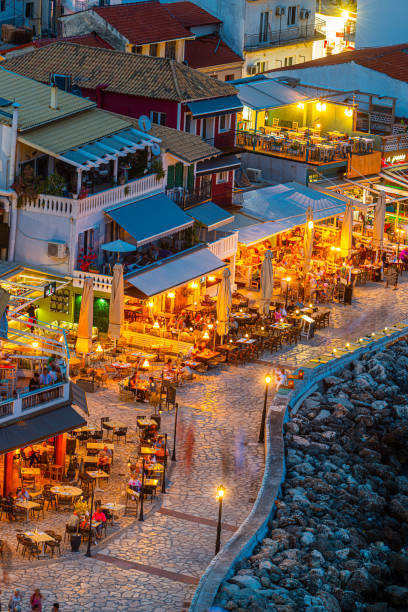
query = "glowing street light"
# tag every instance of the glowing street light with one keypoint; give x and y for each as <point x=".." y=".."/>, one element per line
<point x="219" y="497"/>
<point x="263" y="418"/>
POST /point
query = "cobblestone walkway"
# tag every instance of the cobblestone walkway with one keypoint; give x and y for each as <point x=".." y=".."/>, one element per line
<point x="154" y="566"/>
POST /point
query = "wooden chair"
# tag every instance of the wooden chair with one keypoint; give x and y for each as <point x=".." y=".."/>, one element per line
<point x="132" y="501"/>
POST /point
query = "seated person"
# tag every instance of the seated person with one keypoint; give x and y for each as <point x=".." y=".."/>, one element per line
<point x="103" y="460"/>
<point x="22" y="494"/>
<point x="169" y="366"/>
<point x="278" y="315"/>
<point x="34" y="382"/>
<point x="45" y="378"/>
<point x="132" y="384"/>
<point x="73" y="522"/>
<point x="33" y="456"/>
<point x="192" y="351"/>
<point x="186" y="373"/>
<point x="53" y="375"/>
<point x="160" y="448"/>
<point x="99" y="517"/>
<point x="135" y="484"/>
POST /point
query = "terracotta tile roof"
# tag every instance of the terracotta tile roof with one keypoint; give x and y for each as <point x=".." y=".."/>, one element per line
<point x="392" y="61"/>
<point x="90" y="40"/>
<point x="188" y="147"/>
<point x="143" y="22"/>
<point x="190" y="15"/>
<point x="209" y="51"/>
<point x="125" y="73"/>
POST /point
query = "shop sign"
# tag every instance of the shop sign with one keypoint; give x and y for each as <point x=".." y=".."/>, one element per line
<point x="392" y="158"/>
<point x="50" y="289"/>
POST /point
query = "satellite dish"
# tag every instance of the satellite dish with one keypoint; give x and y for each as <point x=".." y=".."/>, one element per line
<point x="155" y="148"/>
<point x="144" y="123"/>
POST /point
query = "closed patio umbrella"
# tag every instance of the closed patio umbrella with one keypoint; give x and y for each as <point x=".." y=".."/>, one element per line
<point x="84" y="334"/>
<point x="224" y="301"/>
<point x="266" y="283"/>
<point x="347" y="231"/>
<point x="379" y="221"/>
<point x="308" y="240"/>
<point x="116" y="303"/>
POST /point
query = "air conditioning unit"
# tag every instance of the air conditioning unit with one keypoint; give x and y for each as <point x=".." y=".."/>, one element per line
<point x="57" y="250"/>
<point x="280" y="10"/>
<point x="254" y="175"/>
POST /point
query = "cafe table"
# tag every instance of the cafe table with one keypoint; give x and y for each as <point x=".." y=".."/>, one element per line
<point x="227" y="349"/>
<point x="39" y="537"/>
<point x="151" y="482"/>
<point x="66" y="491"/>
<point x="206" y="355"/>
<point x="147" y="450"/>
<point x="241" y="315"/>
<point x="30" y="471"/>
<point x="90" y="459"/>
<point x="97" y="475"/>
<point x="113" y="507"/>
<point x="100" y="446"/>
<point x="145" y="422"/>
<point x="246" y="341"/>
<point x="157" y="467"/>
<point x="27" y="505"/>
<point x="112" y="425"/>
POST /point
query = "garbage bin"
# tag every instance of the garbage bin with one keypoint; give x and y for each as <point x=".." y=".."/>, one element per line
<point x="348" y="294"/>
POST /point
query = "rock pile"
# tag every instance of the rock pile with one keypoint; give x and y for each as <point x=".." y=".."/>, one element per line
<point x="339" y="538"/>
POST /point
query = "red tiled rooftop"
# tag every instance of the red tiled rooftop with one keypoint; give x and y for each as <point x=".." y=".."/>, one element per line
<point x="190" y="15"/>
<point x="89" y="40"/>
<point x="143" y="22"/>
<point x="392" y="61"/>
<point x="209" y="51"/>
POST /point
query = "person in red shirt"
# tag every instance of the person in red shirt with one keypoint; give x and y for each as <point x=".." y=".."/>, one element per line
<point x="99" y="517"/>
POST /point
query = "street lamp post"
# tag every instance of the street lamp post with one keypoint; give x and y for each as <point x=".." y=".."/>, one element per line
<point x="173" y="455"/>
<point x="263" y="418"/>
<point x="287" y="279"/>
<point x="141" y="516"/>
<point x="399" y="234"/>
<point x="220" y="497"/>
<point x="88" y="550"/>
<point x="164" y="464"/>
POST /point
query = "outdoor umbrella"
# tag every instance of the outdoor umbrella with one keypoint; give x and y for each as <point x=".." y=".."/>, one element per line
<point x="119" y="246"/>
<point x="116" y="303"/>
<point x="346" y="231"/>
<point x="84" y="334"/>
<point x="308" y="241"/>
<point x="266" y="283"/>
<point x="379" y="220"/>
<point x="224" y="301"/>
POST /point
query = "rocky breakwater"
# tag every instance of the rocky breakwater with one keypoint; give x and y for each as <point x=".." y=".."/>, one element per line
<point x="339" y="537"/>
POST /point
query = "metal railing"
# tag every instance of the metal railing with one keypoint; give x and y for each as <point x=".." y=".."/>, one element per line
<point x="293" y="34"/>
<point x="43" y="396"/>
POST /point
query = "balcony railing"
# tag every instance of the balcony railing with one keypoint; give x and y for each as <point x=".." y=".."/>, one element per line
<point x="101" y="282"/>
<point x="298" y="33"/>
<point x="69" y="207"/>
<point x="224" y="244"/>
<point x="33" y="400"/>
<point x="185" y="198"/>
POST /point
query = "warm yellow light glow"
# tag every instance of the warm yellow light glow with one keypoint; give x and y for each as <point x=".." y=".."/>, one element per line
<point x="345" y="15"/>
<point x="211" y="279"/>
<point x="385" y="328"/>
<point x="220" y="492"/>
<point x="246" y="336"/>
<point x="310" y="305"/>
<point x="193" y="285"/>
<point x="171" y="295"/>
<point x="267" y="379"/>
<point x="348" y="112"/>
<point x="360" y="340"/>
<point x="61" y="338"/>
<point x="373" y="334"/>
<point x="191" y="329"/>
<point x="150" y="304"/>
<point x="230" y="341"/>
<point x="310" y="225"/>
<point x="210" y="326"/>
<point x="318" y="125"/>
<point x="288" y="279"/>
<point x="334" y="351"/>
<point x="145" y="364"/>
<point x="240" y="310"/>
<point x="301" y="105"/>
<point x="206" y="335"/>
<point x="321" y="107"/>
<point x="156" y="325"/>
<point x="348" y="344"/>
<point x="262" y="328"/>
<point x="99" y="349"/>
<point x="298" y="312"/>
<point x="401" y="231"/>
<point x="34" y="344"/>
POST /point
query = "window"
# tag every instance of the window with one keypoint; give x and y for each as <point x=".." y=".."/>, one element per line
<point x="261" y="66"/>
<point x="154" y="50"/>
<point x="225" y="123"/>
<point x="170" y="49"/>
<point x="222" y="177"/>
<point x="188" y="122"/>
<point x="137" y="49"/>
<point x="229" y="77"/>
<point x="263" y="27"/>
<point x="29" y="10"/>
<point x="2" y="5"/>
<point x="291" y="15"/>
<point x="62" y="81"/>
<point x="289" y="61"/>
<point x="158" y="117"/>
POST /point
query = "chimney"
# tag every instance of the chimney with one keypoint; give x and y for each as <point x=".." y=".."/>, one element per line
<point x="54" y="97"/>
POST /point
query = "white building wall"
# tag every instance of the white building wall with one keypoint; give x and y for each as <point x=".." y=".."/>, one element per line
<point x="5" y="146"/>
<point x="346" y="77"/>
<point x="381" y="23"/>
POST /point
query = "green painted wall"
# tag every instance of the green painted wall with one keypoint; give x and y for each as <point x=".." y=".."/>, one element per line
<point x="100" y="311"/>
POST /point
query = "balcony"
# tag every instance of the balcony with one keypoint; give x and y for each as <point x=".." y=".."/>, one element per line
<point x="27" y="403"/>
<point x="78" y="208"/>
<point x="303" y="32"/>
<point x="223" y="244"/>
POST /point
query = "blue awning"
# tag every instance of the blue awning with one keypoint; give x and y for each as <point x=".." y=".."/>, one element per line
<point x="215" y="106"/>
<point x="151" y="218"/>
<point x="218" y="164"/>
<point x="210" y="215"/>
<point x="174" y="272"/>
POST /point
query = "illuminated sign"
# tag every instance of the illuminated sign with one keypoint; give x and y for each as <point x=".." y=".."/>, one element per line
<point x="392" y="158"/>
<point x="50" y="289"/>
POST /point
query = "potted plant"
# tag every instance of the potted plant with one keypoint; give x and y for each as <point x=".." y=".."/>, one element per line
<point x="26" y="187"/>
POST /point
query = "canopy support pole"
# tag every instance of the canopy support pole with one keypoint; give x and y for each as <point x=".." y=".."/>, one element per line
<point x="115" y="169"/>
<point x="79" y="181"/>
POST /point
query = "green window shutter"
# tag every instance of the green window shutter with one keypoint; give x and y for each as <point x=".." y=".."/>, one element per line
<point x="190" y="178"/>
<point x="179" y="174"/>
<point x="170" y="177"/>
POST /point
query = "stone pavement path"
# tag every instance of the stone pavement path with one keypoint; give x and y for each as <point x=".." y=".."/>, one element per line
<point x="153" y="566"/>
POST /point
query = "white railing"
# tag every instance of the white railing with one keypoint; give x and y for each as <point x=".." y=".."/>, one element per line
<point x="33" y="401"/>
<point x="68" y="207"/>
<point x="101" y="282"/>
<point x="225" y="247"/>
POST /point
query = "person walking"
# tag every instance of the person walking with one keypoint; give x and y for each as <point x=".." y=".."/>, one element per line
<point x="36" y="600"/>
<point x="14" y="604"/>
